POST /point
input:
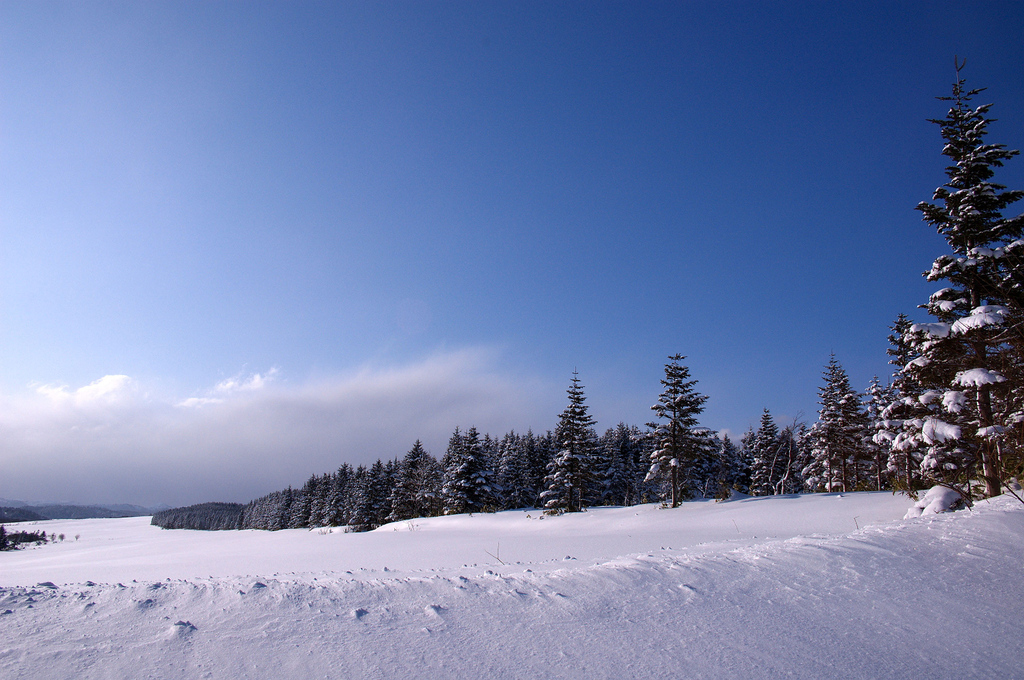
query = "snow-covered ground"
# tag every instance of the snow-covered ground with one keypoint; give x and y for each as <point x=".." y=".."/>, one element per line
<point x="803" y="586"/>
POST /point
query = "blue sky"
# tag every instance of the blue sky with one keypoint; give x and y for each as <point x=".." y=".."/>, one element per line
<point x="349" y="225"/>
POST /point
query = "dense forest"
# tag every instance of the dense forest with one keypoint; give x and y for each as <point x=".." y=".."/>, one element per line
<point x="205" y="516"/>
<point x="951" y="412"/>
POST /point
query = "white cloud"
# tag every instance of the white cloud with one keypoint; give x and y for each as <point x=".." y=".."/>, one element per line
<point x="111" y="441"/>
<point x="243" y="383"/>
<point x="110" y="389"/>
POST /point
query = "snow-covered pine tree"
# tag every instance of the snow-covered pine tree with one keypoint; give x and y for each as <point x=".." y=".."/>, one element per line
<point x="514" y="476"/>
<point x="789" y="459"/>
<point x="284" y="509"/>
<point x="838" y="438"/>
<point x="878" y="398"/>
<point x="542" y="451"/>
<point x="570" y="470"/>
<point x="624" y="464"/>
<point x="456" y="485"/>
<point x="358" y="501"/>
<point x="967" y="352"/>
<point x="899" y="430"/>
<point x="429" y="495"/>
<point x="764" y="456"/>
<point x="682" y="450"/>
<point x="336" y="500"/>
<point x="483" y="495"/>
<point x="404" y="497"/>
<point x="733" y="472"/>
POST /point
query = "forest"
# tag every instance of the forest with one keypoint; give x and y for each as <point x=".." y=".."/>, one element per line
<point x="951" y="412"/>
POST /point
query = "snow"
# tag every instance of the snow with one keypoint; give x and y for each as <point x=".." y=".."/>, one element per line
<point x="976" y="377"/>
<point x="991" y="431"/>
<point x="935" y="431"/>
<point x="986" y="315"/>
<point x="936" y="329"/>
<point x="919" y="362"/>
<point x="938" y="499"/>
<point x="753" y="587"/>
<point x="954" y="401"/>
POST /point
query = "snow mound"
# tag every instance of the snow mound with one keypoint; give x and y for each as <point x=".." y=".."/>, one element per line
<point x="938" y="499"/>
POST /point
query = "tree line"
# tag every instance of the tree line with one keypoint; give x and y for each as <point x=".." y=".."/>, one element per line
<point x="952" y="411"/>
<point x="15" y="539"/>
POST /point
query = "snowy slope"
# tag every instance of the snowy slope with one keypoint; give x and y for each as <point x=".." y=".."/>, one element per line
<point x="754" y="588"/>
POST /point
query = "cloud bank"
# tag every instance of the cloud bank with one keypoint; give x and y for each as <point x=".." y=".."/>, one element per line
<point x="113" y="440"/>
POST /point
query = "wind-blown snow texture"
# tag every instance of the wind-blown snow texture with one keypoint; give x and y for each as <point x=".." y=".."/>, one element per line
<point x="761" y="587"/>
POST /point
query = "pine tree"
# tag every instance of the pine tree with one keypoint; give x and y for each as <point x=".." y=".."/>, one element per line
<point x="682" y="450"/>
<point x="878" y="400"/>
<point x="541" y="454"/>
<point x="483" y="496"/>
<point x="336" y="500"/>
<point x="359" y="501"/>
<point x="792" y="459"/>
<point x="968" y="350"/>
<point x="838" y="438"/>
<point x="899" y="430"/>
<point x="570" y="472"/>
<point x="733" y="472"/>
<point x="456" y="485"/>
<point x="764" y="454"/>
<point x="623" y="462"/>
<point x="514" y="472"/>
<point x="404" y="497"/>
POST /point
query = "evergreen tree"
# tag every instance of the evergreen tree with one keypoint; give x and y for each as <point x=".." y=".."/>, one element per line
<point x="764" y="454"/>
<point x="404" y="499"/>
<point x="899" y="430"/>
<point x="971" y="347"/>
<point x="683" y="451"/>
<point x="542" y="453"/>
<point x="733" y="472"/>
<point x="514" y="474"/>
<point x="570" y="472"/>
<point x="336" y="516"/>
<point x="838" y="438"/>
<point x="747" y="456"/>
<point x="791" y="460"/>
<point x="380" y="483"/>
<point x="623" y="464"/>
<point x="359" y="501"/>
<point x="482" y="495"/>
<point x="284" y="509"/>
<point x="457" y="488"/>
<point x="300" y="507"/>
<point x="878" y="400"/>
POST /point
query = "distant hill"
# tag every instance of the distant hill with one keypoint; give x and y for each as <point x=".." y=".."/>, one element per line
<point x="84" y="511"/>
<point x="19" y="515"/>
<point x="40" y="511"/>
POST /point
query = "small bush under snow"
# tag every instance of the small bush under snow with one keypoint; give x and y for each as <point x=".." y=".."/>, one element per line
<point x="938" y="499"/>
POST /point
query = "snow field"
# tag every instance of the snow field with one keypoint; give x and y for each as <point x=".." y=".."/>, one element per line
<point x="937" y="596"/>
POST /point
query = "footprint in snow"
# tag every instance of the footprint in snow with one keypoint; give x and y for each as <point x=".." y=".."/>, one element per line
<point x="433" y="610"/>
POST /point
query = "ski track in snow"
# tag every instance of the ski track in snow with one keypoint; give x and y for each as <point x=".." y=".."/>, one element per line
<point x="937" y="597"/>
